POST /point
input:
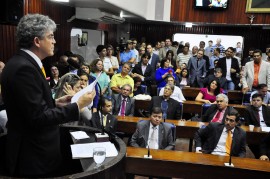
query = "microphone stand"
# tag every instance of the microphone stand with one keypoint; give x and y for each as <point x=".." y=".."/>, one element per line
<point x="230" y="164"/>
<point x="148" y="152"/>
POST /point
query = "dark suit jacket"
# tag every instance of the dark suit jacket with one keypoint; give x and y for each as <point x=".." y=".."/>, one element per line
<point x="211" y="111"/>
<point x="235" y="65"/>
<point x="222" y="80"/>
<point x="154" y="62"/>
<point x="173" y="111"/>
<point x="111" y="124"/>
<point x="265" y="146"/>
<point x="251" y="116"/>
<point x="33" y="139"/>
<point x="116" y="104"/>
<point x="140" y="137"/>
<point x="149" y="74"/>
<point x="208" y="138"/>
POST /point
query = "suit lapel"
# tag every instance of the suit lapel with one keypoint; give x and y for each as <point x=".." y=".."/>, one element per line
<point x="146" y="130"/>
<point x="194" y="62"/>
<point x="219" y="132"/>
<point x="234" y="140"/>
<point x="127" y="105"/>
<point x="160" y="135"/>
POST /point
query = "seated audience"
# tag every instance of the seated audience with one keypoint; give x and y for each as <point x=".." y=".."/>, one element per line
<point x="103" y="80"/>
<point x="177" y="92"/>
<point x="153" y="133"/>
<point x="218" y="138"/>
<point x="170" y="56"/>
<point x="218" y="112"/>
<point x="144" y="71"/>
<point x="119" y="79"/>
<point x="70" y="84"/>
<point x="113" y="59"/>
<point x="123" y="104"/>
<point x="138" y="89"/>
<point x="102" y="53"/>
<point x="54" y="76"/>
<point x="216" y="76"/>
<point x="104" y="113"/>
<point x="208" y="95"/>
<point x="85" y="67"/>
<point x="163" y="72"/>
<point x="262" y="89"/>
<point x="258" y="115"/>
<point x="170" y="107"/>
<point x="265" y="148"/>
<point x="184" y="78"/>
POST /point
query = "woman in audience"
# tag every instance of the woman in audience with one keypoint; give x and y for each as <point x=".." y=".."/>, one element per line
<point x="103" y="80"/>
<point x="137" y="86"/>
<point x="114" y="60"/>
<point x="170" y="56"/>
<point x="86" y="67"/>
<point x="183" y="78"/>
<point x="163" y="72"/>
<point x="208" y="95"/>
<point x="70" y="84"/>
<point x="54" y="76"/>
<point x="141" y="52"/>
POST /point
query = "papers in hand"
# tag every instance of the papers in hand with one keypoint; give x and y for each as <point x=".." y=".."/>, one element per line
<point x="86" y="150"/>
<point x="79" y="135"/>
<point x="89" y="88"/>
<point x="266" y="129"/>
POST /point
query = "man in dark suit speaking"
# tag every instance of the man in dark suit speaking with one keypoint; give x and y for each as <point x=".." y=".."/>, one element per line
<point x="153" y="133"/>
<point x="33" y="138"/>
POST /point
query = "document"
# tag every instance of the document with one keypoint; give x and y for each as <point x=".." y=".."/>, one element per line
<point x="266" y="129"/>
<point x="79" y="135"/>
<point x="86" y="150"/>
<point x="89" y="88"/>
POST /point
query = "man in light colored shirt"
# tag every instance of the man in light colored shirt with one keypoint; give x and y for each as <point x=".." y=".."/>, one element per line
<point x="177" y="92"/>
<point x="153" y="133"/>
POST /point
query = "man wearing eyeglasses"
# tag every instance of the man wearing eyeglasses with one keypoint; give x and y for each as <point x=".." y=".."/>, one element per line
<point x="222" y="139"/>
<point x="218" y="112"/>
<point x="256" y="72"/>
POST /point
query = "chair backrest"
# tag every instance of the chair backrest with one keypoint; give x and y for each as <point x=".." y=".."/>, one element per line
<point x="204" y="108"/>
<point x="144" y="89"/>
<point x="190" y="93"/>
<point x="173" y="127"/>
<point x="246" y="98"/>
<point x="235" y="97"/>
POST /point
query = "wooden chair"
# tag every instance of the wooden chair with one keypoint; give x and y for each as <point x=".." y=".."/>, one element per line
<point x="190" y="93"/>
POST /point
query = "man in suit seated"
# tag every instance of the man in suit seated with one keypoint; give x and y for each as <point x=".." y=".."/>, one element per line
<point x="222" y="138"/>
<point x="258" y="115"/>
<point x="153" y="133"/>
<point x="262" y="89"/>
<point x="170" y="107"/>
<point x="265" y="148"/>
<point x="103" y="116"/>
<point x="123" y="104"/>
<point x="218" y="112"/>
<point x="217" y="76"/>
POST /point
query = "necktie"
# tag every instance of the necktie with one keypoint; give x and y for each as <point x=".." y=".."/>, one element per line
<point x="104" y="120"/>
<point x="123" y="107"/>
<point x="152" y="140"/>
<point x="216" y="119"/>
<point x="228" y="142"/>
<point x="43" y="71"/>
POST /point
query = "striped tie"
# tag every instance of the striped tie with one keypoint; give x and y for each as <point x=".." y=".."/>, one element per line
<point x="43" y="71"/>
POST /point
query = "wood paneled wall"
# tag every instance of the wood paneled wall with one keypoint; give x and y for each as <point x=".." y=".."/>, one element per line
<point x="60" y="14"/>
<point x="183" y="11"/>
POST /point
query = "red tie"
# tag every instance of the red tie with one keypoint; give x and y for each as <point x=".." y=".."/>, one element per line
<point x="123" y="107"/>
<point x="216" y="119"/>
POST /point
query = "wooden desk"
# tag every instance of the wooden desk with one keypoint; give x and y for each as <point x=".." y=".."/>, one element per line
<point x="185" y="129"/>
<point x="192" y="165"/>
<point x="196" y="107"/>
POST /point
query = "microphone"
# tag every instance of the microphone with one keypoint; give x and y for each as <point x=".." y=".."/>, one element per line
<point x="111" y="134"/>
<point x="230" y="156"/>
<point x="102" y="124"/>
